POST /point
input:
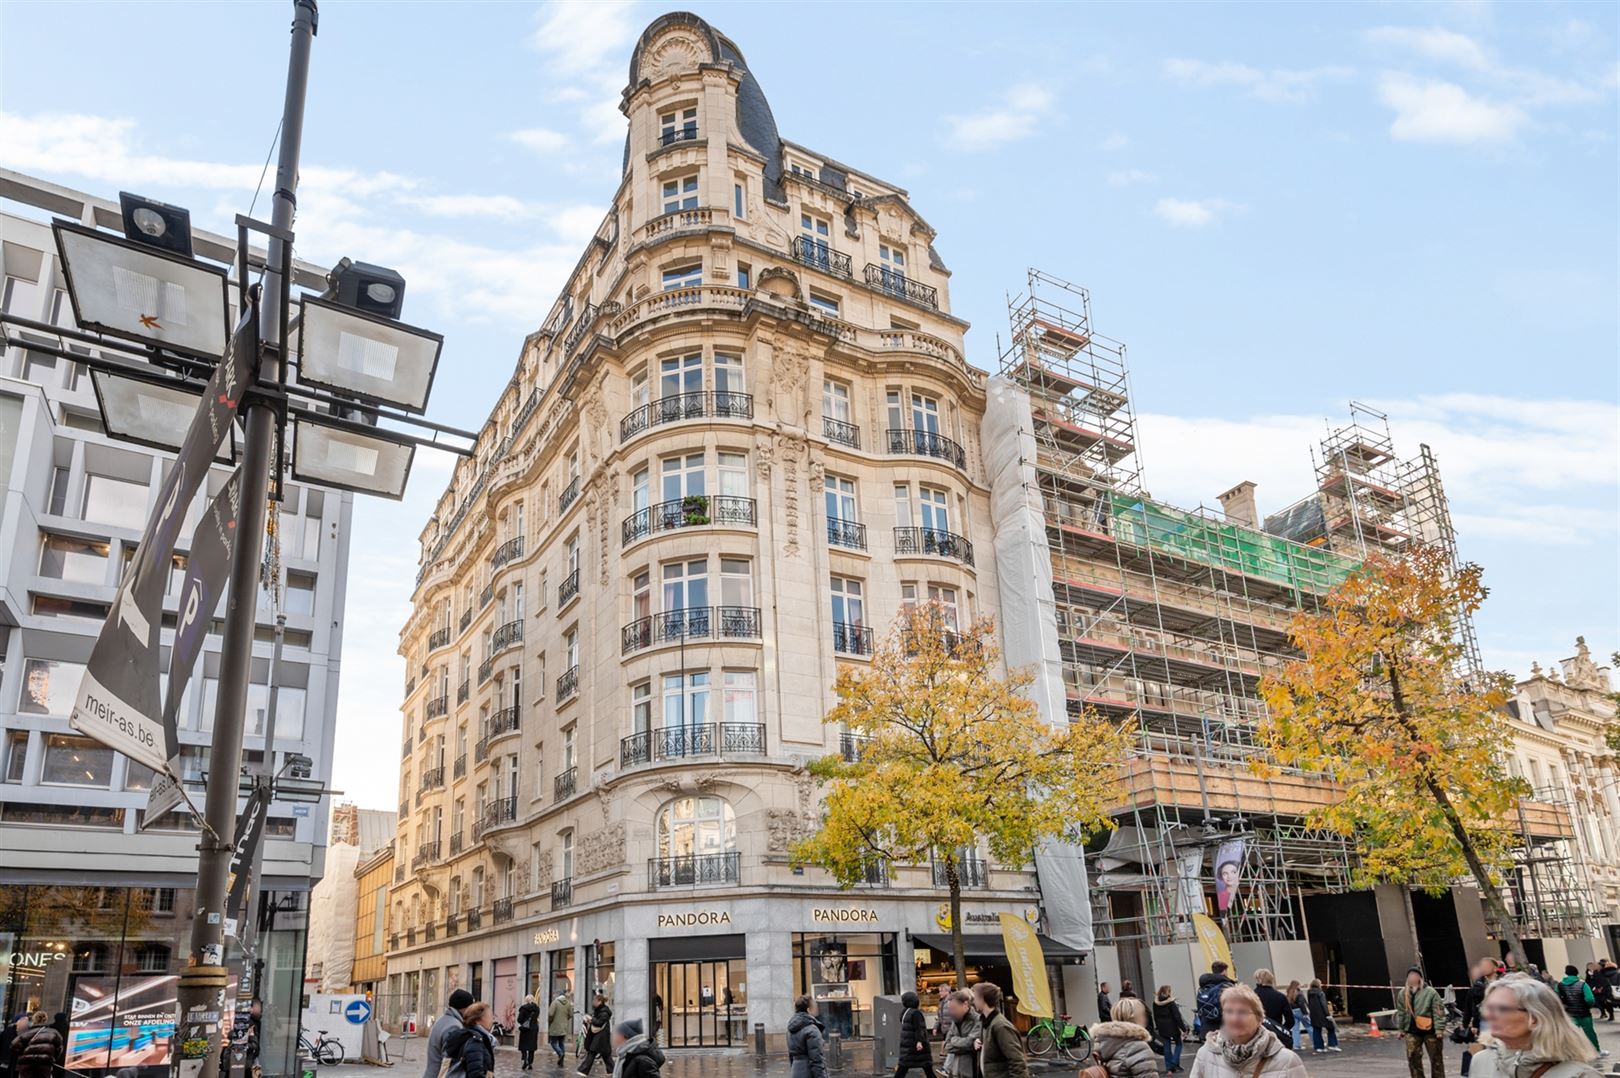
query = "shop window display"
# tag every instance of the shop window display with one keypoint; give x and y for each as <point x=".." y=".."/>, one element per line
<point x="843" y="973"/>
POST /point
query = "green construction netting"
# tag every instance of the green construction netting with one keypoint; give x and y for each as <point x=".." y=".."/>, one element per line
<point x="1226" y="546"/>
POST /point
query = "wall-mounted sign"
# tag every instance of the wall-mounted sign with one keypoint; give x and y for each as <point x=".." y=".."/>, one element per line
<point x="32" y="959"/>
<point x="838" y="915"/>
<point x="544" y="936"/>
<point x="694" y="919"/>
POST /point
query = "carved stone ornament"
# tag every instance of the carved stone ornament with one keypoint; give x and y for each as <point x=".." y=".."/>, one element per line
<point x="673" y="54"/>
<point x="789" y="369"/>
<point x="1581" y="672"/>
<point x="781" y="283"/>
<point x="784" y="827"/>
<point x="600" y="850"/>
<point x="594" y="416"/>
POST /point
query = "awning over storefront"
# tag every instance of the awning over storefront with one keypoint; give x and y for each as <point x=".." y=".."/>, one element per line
<point x="988" y="947"/>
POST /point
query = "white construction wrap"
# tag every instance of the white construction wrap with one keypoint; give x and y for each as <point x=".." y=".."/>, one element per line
<point x="1029" y="626"/>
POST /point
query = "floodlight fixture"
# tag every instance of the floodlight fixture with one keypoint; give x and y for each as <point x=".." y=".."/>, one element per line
<point x="373" y="289"/>
<point x="156" y="224"/>
<point x="334" y="453"/>
<point x="152" y="412"/>
<point x="364" y="356"/>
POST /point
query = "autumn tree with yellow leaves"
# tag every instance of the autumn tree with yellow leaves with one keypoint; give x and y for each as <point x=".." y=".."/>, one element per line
<point x="1381" y="700"/>
<point x="951" y="756"/>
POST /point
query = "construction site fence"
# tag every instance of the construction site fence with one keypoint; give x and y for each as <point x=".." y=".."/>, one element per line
<point x="1158" y="527"/>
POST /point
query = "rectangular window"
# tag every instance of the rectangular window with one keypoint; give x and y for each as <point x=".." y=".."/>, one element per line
<point x="19" y="297"/>
<point x="737" y="704"/>
<point x="737" y="200"/>
<point x="49" y="687"/>
<point x="728" y="375"/>
<point x="301" y="593"/>
<point x="733" y="473"/>
<point x="16" y="754"/>
<point x="683" y="277"/>
<point x="680" y="374"/>
<point x="639" y="391"/>
<point x="932" y="510"/>
<point x="840" y="497"/>
<point x="682" y="476"/>
<point x="681" y="193"/>
<point x="745" y="275"/>
<point x="848" y="602"/>
<point x="736" y="582"/>
<point x="640" y="708"/>
<point x="902" y="505"/>
<point x="40" y="368"/>
<point x="946" y="598"/>
<point x="686" y="700"/>
<point x="82" y="561"/>
<point x="824" y="303"/>
<point x="76" y="761"/>
<point x="924" y="413"/>
<point x="835" y="401"/>
<point x="118" y="502"/>
<point x="686" y="584"/>
<point x="892" y="271"/>
<point x="639" y="490"/>
<point x="679" y="125"/>
<point x="641" y="596"/>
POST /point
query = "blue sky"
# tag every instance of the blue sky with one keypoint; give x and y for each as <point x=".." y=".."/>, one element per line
<point x="1278" y="208"/>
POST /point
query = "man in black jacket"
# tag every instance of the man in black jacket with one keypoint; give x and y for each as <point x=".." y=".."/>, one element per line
<point x="1207" y="1003"/>
<point x="598" y="1035"/>
<point x="1279" y="1015"/>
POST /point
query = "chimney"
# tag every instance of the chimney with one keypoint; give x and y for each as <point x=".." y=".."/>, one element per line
<point x="1238" y="505"/>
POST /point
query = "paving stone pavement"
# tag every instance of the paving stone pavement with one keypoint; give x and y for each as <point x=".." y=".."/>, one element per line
<point x="1363" y="1057"/>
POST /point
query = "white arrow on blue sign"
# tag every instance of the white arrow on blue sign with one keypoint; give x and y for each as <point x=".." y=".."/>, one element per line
<point x="358" y="1012"/>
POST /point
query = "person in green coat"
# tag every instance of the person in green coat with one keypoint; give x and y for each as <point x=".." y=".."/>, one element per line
<point x="1421" y="1015"/>
<point x="559" y="1024"/>
<point x="1576" y="996"/>
<point x="1001" y="1049"/>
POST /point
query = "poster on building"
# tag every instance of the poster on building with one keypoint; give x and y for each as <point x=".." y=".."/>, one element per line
<point x="118" y="701"/>
<point x="1228" y="868"/>
<point x="117" y="1023"/>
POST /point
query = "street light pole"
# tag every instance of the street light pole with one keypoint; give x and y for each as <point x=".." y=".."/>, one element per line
<point x="201" y="990"/>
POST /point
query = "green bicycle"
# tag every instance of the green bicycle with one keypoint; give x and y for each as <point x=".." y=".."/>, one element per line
<point x="1070" y="1040"/>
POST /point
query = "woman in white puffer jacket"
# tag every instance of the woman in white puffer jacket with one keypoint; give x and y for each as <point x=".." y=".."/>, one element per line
<point x="1529" y="1035"/>
<point x="1243" y="1047"/>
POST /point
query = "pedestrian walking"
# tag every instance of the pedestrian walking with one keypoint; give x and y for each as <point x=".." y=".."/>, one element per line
<point x="1527" y="1034"/>
<point x="805" y="1036"/>
<point x="1122" y="1045"/>
<point x="598" y="1034"/>
<point x="1576" y="995"/>
<point x="1602" y="990"/>
<point x="1207" y="1004"/>
<point x="560" y="1024"/>
<point x="1001" y="1049"/>
<point x="528" y="1024"/>
<point x="1171" y="1026"/>
<point x="1324" y="1028"/>
<point x="942" y="1019"/>
<point x="1482" y="974"/>
<point x="961" y="1047"/>
<point x="914" y="1052"/>
<point x="637" y="1056"/>
<point x="1421" y="1018"/>
<point x="447" y="1023"/>
<point x="471" y="1049"/>
<point x="1105" y="1003"/>
<point x="1127" y="990"/>
<point x="1278" y="1013"/>
<point x="38" y="1050"/>
<point x="1295" y="993"/>
<point x="1242" y="1046"/>
<point x="8" y="1037"/>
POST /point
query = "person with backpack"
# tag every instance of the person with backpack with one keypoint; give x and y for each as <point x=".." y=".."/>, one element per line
<point x="1576" y="996"/>
<point x="1171" y="1026"/>
<point x="1421" y="1018"/>
<point x="446" y="1024"/>
<point x="1207" y="1004"/>
<point x="598" y="1034"/>
<point x="1323" y="1025"/>
<point x="914" y="1053"/>
<point x="471" y="1049"/>
<point x="38" y="1051"/>
<point x="804" y="1036"/>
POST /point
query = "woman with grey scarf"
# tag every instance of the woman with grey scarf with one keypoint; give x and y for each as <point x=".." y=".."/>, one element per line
<point x="1243" y="1047"/>
<point x="961" y="1051"/>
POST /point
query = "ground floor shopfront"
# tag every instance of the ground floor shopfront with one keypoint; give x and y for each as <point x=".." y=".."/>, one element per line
<point x="705" y="971"/>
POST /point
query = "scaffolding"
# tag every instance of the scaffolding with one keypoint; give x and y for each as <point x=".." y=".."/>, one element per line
<point x="1167" y="619"/>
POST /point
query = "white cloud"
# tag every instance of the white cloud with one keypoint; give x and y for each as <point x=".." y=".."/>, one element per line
<point x="1275" y="84"/>
<point x="1429" y="110"/>
<point x="1017" y="116"/>
<point x="1517" y="86"/>
<point x="539" y="139"/>
<point x="1130" y="177"/>
<point x="1434" y="43"/>
<point x="1191" y="213"/>
<point x="1118" y="140"/>
<point x="585" y="45"/>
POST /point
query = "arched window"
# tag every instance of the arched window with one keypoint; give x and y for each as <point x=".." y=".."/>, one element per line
<point x="695" y="827"/>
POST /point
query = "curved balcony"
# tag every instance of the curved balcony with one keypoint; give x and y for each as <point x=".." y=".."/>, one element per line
<point x="501" y="910"/>
<point x="510" y="550"/>
<point x="458" y="842"/>
<point x="568" y="497"/>
<point x="690" y="623"/>
<point x="694" y="870"/>
<point x="506" y="636"/>
<point x="503" y="722"/>
<point x="933" y="541"/>
<point x="432" y="779"/>
<point x="820" y="256"/>
<point x="426" y="854"/>
<point x="486" y="670"/>
<point x="839" y="432"/>
<point x="568" y="684"/>
<point x="692" y="511"/>
<point x="851" y="639"/>
<point x="703" y="739"/>
<point x="904" y="441"/>
<point x="568" y="589"/>
<point x="846" y="533"/>
<point x="436" y="708"/>
<point x="565" y="785"/>
<point x="720" y="404"/>
<point x="498" y="813"/>
<point x="893" y="283"/>
<point x="439" y="638"/>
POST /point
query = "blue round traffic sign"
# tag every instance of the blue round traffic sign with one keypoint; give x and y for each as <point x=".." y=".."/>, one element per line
<point x="358" y="1012"/>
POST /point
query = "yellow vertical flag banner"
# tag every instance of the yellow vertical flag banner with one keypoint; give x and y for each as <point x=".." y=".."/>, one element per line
<point x="1028" y="964"/>
<point x="1212" y="940"/>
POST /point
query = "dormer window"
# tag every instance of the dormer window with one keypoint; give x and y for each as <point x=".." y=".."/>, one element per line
<point x="681" y="193"/>
<point x="679" y="125"/>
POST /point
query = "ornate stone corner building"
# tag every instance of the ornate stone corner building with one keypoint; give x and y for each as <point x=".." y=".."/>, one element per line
<point x="744" y="438"/>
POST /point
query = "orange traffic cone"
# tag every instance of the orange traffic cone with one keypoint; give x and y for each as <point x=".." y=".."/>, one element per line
<point x="1373" y="1030"/>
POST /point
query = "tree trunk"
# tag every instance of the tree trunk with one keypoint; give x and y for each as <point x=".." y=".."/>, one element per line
<point x="953" y="879"/>
<point x="1491" y="893"/>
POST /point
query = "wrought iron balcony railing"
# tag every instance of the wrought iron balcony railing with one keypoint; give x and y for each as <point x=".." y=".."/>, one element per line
<point x="564" y="785"/>
<point x="486" y="670"/>
<point x="839" y="432"/>
<point x="846" y="533"/>
<point x="436" y="708"/>
<point x="502" y="910"/>
<point x="691" y="623"/>
<point x="499" y="812"/>
<point x="689" y="133"/>
<point x="432" y="779"/>
<point x="568" y="496"/>
<point x="933" y="541"/>
<point x="851" y="639"/>
<point x="562" y="892"/>
<point x="426" y="854"/>
<point x="568" y="683"/>
<point x="692" y="511"/>
<point x="439" y="638"/>
<point x="568" y="588"/>
<point x="452" y="924"/>
<point x="503" y="722"/>
<point x="475" y="918"/>
<point x="721" y="404"/>
<point x="851" y="745"/>
<point x="925" y="443"/>
<point x="506" y="636"/>
<point x="481" y="750"/>
<point x="510" y="550"/>
<point x="458" y="841"/>
<point x="466" y="620"/>
<point x="486" y="596"/>
<point x="582" y="326"/>
<point x="972" y="872"/>
<point x="702" y="739"/>
<point x="694" y="870"/>
<point x="822" y="257"/>
<point x="464" y="690"/>
<point x="458" y="770"/>
<point x="900" y="286"/>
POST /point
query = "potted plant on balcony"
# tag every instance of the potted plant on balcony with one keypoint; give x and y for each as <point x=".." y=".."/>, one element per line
<point x="694" y="510"/>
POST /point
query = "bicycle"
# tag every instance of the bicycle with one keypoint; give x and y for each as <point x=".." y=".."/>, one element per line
<point x="1071" y="1041"/>
<point x="326" y="1050"/>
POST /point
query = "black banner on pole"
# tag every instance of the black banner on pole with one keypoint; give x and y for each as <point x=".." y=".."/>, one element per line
<point x="239" y="884"/>
<point x="118" y="702"/>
